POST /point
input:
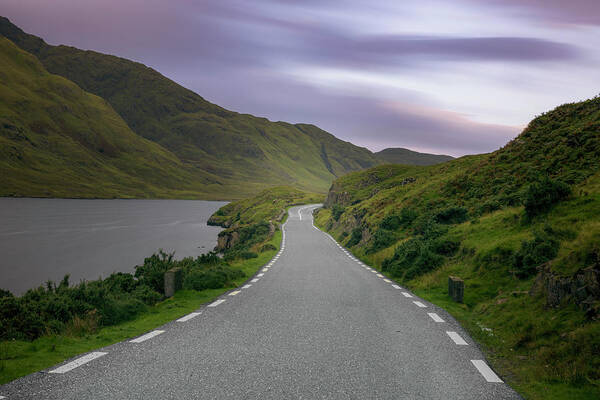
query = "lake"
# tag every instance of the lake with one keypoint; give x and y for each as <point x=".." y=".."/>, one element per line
<point x="45" y="239"/>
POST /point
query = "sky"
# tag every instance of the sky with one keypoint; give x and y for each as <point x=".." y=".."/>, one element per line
<point x="448" y="77"/>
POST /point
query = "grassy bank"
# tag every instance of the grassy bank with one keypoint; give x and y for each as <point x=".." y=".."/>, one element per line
<point x="21" y="357"/>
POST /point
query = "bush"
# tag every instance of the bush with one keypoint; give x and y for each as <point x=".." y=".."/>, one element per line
<point x="355" y="238"/>
<point x="534" y="253"/>
<point x="452" y="215"/>
<point x="407" y="217"/>
<point x="540" y="196"/>
<point x="411" y="259"/>
<point x="382" y="239"/>
<point x="152" y="272"/>
<point x="211" y="278"/>
<point x="268" y="247"/>
<point x="390" y="222"/>
<point x="337" y="211"/>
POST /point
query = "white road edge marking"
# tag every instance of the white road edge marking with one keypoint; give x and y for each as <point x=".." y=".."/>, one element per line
<point x="188" y="317"/>
<point x="246" y="286"/>
<point x="147" y="336"/>
<point x="435" y="317"/>
<point x="235" y="292"/>
<point x="419" y="304"/>
<point x="76" y="363"/>
<point x="396" y="286"/>
<point x="265" y="269"/>
<point x="486" y="371"/>
<point x="216" y="303"/>
<point x="379" y="275"/>
<point x="387" y="280"/>
<point x="457" y="339"/>
<point x="261" y="274"/>
<point x="255" y="280"/>
<point x="405" y="294"/>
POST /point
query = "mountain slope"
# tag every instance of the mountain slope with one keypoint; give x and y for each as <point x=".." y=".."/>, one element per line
<point x="520" y="225"/>
<point x="63" y="141"/>
<point x="244" y="153"/>
<point x="409" y="157"/>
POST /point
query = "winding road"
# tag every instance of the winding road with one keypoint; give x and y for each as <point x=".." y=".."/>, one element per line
<point x="315" y="323"/>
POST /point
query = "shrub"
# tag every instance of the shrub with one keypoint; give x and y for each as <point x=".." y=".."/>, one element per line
<point x="337" y="211"/>
<point x="390" y="222"/>
<point x="267" y="247"/>
<point x="452" y="215"/>
<point x="382" y="239"/>
<point x="152" y="272"/>
<point x="412" y="258"/>
<point x="407" y="217"/>
<point x="540" y="196"/>
<point x="355" y="238"/>
<point x="211" y="278"/>
<point x="533" y="253"/>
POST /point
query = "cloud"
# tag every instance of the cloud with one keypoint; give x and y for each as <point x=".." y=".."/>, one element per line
<point x="577" y="12"/>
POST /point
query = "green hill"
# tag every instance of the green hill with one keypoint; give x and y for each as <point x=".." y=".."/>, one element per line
<point x="239" y="154"/>
<point x="520" y="225"/>
<point x="409" y="157"/>
<point x="57" y="140"/>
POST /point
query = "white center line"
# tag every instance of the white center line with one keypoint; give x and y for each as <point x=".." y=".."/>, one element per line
<point x="406" y="294"/>
<point x="419" y="304"/>
<point x="457" y="339"/>
<point x="80" y="361"/>
<point x="246" y="286"/>
<point x="255" y="280"/>
<point x="188" y="317"/>
<point x="435" y="317"/>
<point x="396" y="286"/>
<point x="235" y="292"/>
<point x="216" y="303"/>
<point x="387" y="280"/>
<point x="147" y="336"/>
<point x="486" y="371"/>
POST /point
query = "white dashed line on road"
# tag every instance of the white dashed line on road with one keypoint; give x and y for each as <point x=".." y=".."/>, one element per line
<point x="387" y="281"/>
<point x="261" y="274"/>
<point x="435" y="317"/>
<point x="255" y="280"/>
<point x="457" y="339"/>
<point x="188" y="317"/>
<point x="486" y="371"/>
<point x="405" y="294"/>
<point x="79" y="362"/>
<point x="147" y="336"/>
<point x="396" y="286"/>
<point x="216" y="303"/>
<point x="380" y="276"/>
<point x="246" y="286"/>
<point x="235" y="292"/>
<point x="419" y="304"/>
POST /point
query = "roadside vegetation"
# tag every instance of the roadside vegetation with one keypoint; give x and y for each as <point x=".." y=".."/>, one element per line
<point x="521" y="226"/>
<point x="59" y="320"/>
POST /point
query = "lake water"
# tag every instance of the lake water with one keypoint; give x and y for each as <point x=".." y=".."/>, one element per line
<point x="44" y="239"/>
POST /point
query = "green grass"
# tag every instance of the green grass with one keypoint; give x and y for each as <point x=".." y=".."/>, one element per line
<point x="541" y="351"/>
<point x="20" y="358"/>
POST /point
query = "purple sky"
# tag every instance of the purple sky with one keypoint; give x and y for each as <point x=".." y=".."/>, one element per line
<point x="455" y="77"/>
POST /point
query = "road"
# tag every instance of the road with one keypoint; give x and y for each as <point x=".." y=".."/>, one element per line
<point x="315" y="324"/>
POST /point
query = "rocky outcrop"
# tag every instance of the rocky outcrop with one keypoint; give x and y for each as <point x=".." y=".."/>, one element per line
<point x="581" y="288"/>
<point x="226" y="240"/>
<point x="337" y="196"/>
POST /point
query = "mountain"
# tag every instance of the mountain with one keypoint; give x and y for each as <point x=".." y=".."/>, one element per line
<point x="62" y="141"/>
<point x="237" y="154"/>
<point x="520" y="226"/>
<point x="409" y="157"/>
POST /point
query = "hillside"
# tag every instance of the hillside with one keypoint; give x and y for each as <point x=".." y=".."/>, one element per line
<point x="239" y="154"/>
<point x="63" y="141"/>
<point x="409" y="157"/>
<point x="520" y="225"/>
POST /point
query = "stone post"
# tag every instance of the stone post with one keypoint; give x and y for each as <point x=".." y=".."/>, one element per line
<point x="456" y="288"/>
<point x="173" y="281"/>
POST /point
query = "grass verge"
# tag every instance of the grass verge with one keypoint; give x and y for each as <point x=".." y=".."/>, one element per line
<point x="19" y="358"/>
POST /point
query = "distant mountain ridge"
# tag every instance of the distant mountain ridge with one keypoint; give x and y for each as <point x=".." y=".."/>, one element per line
<point x="406" y="156"/>
<point x="224" y="154"/>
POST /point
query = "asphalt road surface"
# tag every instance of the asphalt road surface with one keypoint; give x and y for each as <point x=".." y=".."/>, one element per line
<point x="313" y="324"/>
